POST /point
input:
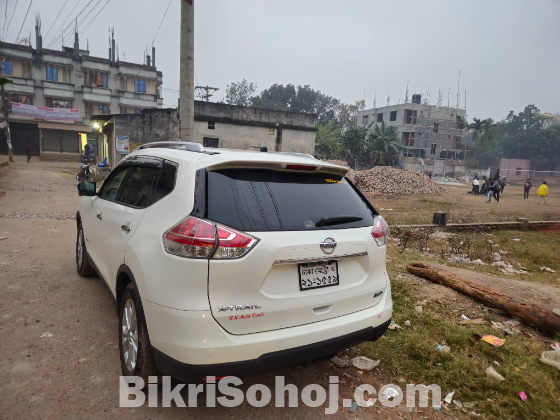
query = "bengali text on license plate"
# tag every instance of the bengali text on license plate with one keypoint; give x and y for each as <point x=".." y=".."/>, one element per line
<point x="318" y="274"/>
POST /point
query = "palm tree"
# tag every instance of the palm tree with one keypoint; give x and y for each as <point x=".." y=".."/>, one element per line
<point x="488" y="126"/>
<point x="383" y="140"/>
<point x="476" y="127"/>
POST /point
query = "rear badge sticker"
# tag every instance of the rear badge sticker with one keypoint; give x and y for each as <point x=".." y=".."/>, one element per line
<point x="236" y="317"/>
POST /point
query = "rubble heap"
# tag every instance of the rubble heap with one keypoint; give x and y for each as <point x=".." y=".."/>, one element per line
<point x="350" y="174"/>
<point x="387" y="180"/>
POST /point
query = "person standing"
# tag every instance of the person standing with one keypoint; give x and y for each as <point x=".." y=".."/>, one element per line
<point x="502" y="185"/>
<point x="542" y="193"/>
<point x="528" y="185"/>
<point x="476" y="186"/>
<point x="489" y="190"/>
<point x="484" y="187"/>
<point x="496" y="190"/>
<point x="28" y="152"/>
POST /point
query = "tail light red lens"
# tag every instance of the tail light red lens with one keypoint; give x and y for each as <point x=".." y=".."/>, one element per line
<point x="301" y="167"/>
<point x="195" y="238"/>
<point x="192" y="238"/>
<point x="380" y="231"/>
<point x="232" y="243"/>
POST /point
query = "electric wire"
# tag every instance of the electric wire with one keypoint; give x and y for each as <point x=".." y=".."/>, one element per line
<point x="168" y="4"/>
<point x="68" y="28"/>
<point x="14" y="11"/>
<point x="69" y="14"/>
<point x="95" y="17"/>
<point x="20" y="29"/>
<point x="57" y="16"/>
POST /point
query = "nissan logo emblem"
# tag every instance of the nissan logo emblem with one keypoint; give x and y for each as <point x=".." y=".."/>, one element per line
<point x="328" y="244"/>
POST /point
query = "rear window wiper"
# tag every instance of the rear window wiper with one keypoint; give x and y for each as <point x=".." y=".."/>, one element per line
<point x="337" y="220"/>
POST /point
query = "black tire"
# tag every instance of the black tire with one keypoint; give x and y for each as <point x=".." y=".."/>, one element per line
<point x="143" y="366"/>
<point x="83" y="266"/>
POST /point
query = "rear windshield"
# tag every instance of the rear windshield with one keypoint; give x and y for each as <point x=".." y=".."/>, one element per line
<point x="265" y="200"/>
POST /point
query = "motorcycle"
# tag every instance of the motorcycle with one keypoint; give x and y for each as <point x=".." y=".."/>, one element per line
<point x="86" y="170"/>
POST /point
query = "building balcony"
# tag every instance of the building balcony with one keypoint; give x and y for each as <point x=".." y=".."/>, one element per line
<point x="20" y="85"/>
<point x="58" y="90"/>
<point x="137" y="99"/>
<point x="96" y="94"/>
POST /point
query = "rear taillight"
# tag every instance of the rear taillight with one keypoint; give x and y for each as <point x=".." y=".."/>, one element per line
<point x="196" y="238"/>
<point x="192" y="238"/>
<point x="232" y="243"/>
<point x="301" y="167"/>
<point x="380" y="231"/>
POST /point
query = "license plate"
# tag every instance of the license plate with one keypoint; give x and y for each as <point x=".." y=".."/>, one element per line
<point x="318" y="274"/>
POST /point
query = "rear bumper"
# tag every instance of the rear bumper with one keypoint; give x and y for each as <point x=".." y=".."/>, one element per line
<point x="191" y="344"/>
<point x="298" y="356"/>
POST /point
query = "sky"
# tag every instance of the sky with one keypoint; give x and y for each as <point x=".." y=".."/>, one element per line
<point x="506" y="51"/>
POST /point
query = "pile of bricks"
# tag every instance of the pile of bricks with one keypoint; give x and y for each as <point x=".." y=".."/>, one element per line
<point x="350" y="174"/>
<point x="390" y="181"/>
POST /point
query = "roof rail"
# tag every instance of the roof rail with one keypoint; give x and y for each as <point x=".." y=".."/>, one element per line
<point x="183" y="145"/>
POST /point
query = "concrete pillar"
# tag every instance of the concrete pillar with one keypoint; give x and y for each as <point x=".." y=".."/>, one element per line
<point x="153" y="56"/>
<point x="186" y="82"/>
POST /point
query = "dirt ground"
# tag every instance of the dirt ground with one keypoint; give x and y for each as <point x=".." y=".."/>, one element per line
<point x="468" y="208"/>
<point x="75" y="372"/>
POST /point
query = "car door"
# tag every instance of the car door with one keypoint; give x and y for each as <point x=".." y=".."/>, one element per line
<point x="120" y="214"/>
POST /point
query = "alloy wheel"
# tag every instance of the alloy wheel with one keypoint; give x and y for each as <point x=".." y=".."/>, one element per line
<point x="129" y="337"/>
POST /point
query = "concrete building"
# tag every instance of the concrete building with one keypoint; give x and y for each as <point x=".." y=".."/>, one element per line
<point x="425" y="131"/>
<point x="215" y="125"/>
<point x="55" y="93"/>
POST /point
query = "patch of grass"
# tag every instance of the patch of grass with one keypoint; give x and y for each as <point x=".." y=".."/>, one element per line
<point x="411" y="353"/>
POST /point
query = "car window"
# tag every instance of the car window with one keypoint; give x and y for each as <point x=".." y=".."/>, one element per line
<point x="266" y="200"/>
<point x="137" y="186"/>
<point x="111" y="187"/>
<point x="165" y="183"/>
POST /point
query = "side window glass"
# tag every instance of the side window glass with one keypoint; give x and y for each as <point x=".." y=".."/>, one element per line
<point x="138" y="185"/>
<point x="165" y="183"/>
<point x="111" y="187"/>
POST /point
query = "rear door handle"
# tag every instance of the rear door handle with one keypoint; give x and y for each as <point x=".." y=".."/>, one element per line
<point x="99" y="216"/>
<point x="127" y="228"/>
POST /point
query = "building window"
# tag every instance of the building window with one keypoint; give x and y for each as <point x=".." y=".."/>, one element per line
<point x="393" y="116"/>
<point x="94" y="79"/>
<point x="140" y="86"/>
<point x="380" y="117"/>
<point x="410" y="116"/>
<point x="518" y="171"/>
<point x="271" y="131"/>
<point x="457" y="142"/>
<point x="459" y="124"/>
<point x="436" y="127"/>
<point x="52" y="74"/>
<point x="211" y="125"/>
<point x="137" y="110"/>
<point x="21" y="99"/>
<point x="103" y="109"/>
<point x="408" y="139"/>
<point x="365" y="119"/>
<point x="210" y="142"/>
<point x="58" y="103"/>
<point x="7" y="67"/>
<point x="434" y="147"/>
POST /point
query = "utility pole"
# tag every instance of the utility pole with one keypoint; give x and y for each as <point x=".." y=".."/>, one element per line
<point x="6" y="111"/>
<point x="186" y="82"/>
<point x="208" y="92"/>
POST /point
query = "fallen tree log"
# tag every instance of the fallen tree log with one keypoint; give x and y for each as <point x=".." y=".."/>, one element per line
<point x="530" y="313"/>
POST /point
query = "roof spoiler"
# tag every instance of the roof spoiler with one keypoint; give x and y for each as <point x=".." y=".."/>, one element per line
<point x="181" y="145"/>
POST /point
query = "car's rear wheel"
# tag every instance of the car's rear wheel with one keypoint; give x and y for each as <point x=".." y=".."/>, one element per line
<point x="136" y="357"/>
<point x="83" y="266"/>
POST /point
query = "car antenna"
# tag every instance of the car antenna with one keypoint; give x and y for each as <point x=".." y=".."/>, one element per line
<point x="262" y="149"/>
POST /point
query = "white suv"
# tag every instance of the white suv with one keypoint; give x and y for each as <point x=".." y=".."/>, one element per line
<point x="233" y="263"/>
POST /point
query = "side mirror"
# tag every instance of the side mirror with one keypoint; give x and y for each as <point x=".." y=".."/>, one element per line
<point x="87" y="189"/>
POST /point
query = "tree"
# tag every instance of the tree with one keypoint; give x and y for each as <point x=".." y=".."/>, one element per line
<point x="299" y="99"/>
<point x="488" y="130"/>
<point x="348" y="113"/>
<point x="354" y="141"/>
<point x="240" y="93"/>
<point x="476" y="129"/>
<point x="383" y="141"/>
<point x="326" y="141"/>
